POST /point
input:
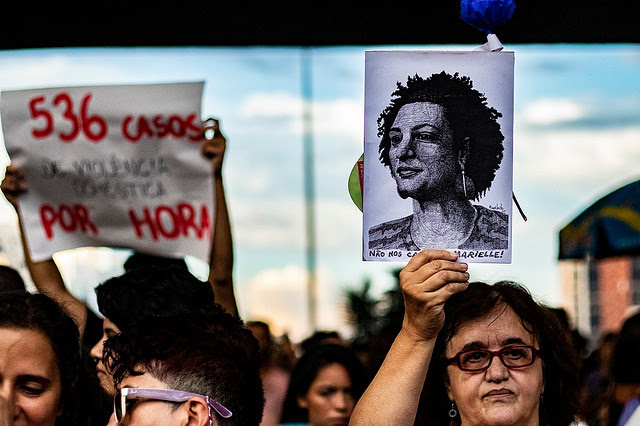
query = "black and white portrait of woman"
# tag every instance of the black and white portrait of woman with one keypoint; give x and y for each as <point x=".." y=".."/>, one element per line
<point x="442" y="144"/>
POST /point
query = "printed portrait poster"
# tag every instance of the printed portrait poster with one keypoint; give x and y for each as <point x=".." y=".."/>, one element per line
<point x="438" y="154"/>
<point x="113" y="166"/>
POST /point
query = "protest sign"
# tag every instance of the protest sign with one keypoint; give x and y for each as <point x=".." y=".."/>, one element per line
<point x="113" y="166"/>
<point x="438" y="154"/>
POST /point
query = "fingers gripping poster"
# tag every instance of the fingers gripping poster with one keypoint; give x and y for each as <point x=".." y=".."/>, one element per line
<point x="113" y="166"/>
<point x="438" y="154"/>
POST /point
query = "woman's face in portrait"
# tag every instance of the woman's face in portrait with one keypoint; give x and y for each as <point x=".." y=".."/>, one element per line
<point x="329" y="400"/>
<point x="30" y="383"/>
<point x="498" y="395"/>
<point x="423" y="162"/>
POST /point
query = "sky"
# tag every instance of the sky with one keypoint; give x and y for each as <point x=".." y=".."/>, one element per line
<point x="576" y="138"/>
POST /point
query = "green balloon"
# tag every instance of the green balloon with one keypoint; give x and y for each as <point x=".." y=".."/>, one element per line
<point x="355" y="182"/>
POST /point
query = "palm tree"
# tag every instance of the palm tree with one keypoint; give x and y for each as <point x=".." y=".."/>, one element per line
<point x="361" y="312"/>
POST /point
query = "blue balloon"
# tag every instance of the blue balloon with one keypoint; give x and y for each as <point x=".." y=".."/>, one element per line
<point x="486" y="15"/>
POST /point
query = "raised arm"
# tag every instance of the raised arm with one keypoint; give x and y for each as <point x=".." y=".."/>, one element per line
<point x="221" y="260"/>
<point x="45" y="274"/>
<point x="427" y="282"/>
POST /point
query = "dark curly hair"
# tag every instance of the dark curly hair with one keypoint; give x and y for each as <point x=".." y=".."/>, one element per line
<point x="561" y="364"/>
<point x="81" y="397"/>
<point x="208" y="353"/>
<point x="468" y="114"/>
<point x="137" y="260"/>
<point x="151" y="291"/>
<point x="10" y="279"/>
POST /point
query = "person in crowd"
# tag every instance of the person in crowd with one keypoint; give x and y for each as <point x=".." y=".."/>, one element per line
<point x="471" y="354"/>
<point x="319" y="337"/>
<point x="43" y="379"/>
<point x="596" y="381"/>
<point x="10" y="279"/>
<point x="275" y="370"/>
<point x="625" y="375"/>
<point x="47" y="277"/>
<point x="195" y="368"/>
<point x="324" y="387"/>
<point x="580" y="343"/>
<point x="443" y="146"/>
<point x="145" y="292"/>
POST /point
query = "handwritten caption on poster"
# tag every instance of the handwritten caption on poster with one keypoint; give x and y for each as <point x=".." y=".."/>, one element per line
<point x="114" y="166"/>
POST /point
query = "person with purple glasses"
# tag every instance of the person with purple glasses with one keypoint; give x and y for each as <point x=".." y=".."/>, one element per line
<point x="198" y="368"/>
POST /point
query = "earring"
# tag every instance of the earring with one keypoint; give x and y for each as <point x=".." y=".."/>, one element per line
<point x="453" y="413"/>
<point x="464" y="185"/>
<point x="465" y="188"/>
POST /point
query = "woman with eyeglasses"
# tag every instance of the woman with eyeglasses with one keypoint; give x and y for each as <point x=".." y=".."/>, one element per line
<point x="43" y="378"/>
<point x="471" y="354"/>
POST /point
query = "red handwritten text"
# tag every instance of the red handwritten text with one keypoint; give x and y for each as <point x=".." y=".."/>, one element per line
<point x="170" y="223"/>
<point x="161" y="126"/>
<point x="93" y="127"/>
<point x="70" y="219"/>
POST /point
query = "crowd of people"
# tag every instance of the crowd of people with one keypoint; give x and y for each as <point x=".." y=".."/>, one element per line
<point x="169" y="349"/>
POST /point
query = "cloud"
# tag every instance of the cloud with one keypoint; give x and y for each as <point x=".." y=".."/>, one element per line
<point x="338" y="116"/>
<point x="50" y="70"/>
<point x="339" y="225"/>
<point x="588" y="111"/>
<point x="262" y="223"/>
<point x="271" y="105"/>
<point x="342" y="116"/>
<point x="551" y="111"/>
<point x="577" y="157"/>
<point x="279" y="297"/>
<point x="269" y="222"/>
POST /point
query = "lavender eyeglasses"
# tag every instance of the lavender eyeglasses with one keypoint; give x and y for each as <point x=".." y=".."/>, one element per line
<point x="171" y="395"/>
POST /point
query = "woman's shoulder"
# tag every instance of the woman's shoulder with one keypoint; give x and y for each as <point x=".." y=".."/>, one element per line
<point x="394" y="234"/>
<point x="491" y="230"/>
<point x="494" y="216"/>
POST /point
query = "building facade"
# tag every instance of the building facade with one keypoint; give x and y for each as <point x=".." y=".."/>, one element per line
<point x="599" y="294"/>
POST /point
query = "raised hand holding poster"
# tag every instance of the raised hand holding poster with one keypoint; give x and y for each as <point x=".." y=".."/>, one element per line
<point x="438" y="154"/>
<point x="113" y="166"/>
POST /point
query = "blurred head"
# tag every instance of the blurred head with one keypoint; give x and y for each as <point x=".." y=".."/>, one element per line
<point x="623" y="368"/>
<point x="41" y="369"/>
<point x="137" y="260"/>
<point x="209" y="354"/>
<point x="262" y="332"/>
<point x="321" y="337"/>
<point x="432" y="130"/>
<point x="10" y="279"/>
<point x="624" y="365"/>
<point x="145" y="292"/>
<point x="324" y="386"/>
<point x="526" y="367"/>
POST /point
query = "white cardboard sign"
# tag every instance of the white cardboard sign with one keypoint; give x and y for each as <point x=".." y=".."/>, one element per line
<point x="113" y="166"/>
<point x="438" y="154"/>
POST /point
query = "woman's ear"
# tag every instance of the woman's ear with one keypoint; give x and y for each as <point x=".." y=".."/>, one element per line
<point x="447" y="385"/>
<point x="302" y="401"/>
<point x="197" y="412"/>
<point x="463" y="153"/>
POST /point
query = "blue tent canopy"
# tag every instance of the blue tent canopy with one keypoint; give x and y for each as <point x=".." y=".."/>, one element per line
<point x="609" y="227"/>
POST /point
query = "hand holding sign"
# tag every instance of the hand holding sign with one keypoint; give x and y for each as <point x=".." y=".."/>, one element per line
<point x="214" y="144"/>
<point x="13" y="184"/>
